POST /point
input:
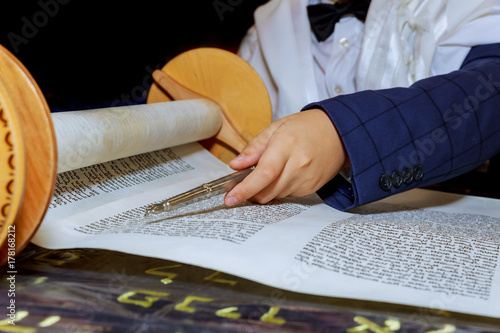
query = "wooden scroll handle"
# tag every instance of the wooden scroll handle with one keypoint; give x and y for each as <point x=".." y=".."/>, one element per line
<point x="227" y="134"/>
<point x="225" y="79"/>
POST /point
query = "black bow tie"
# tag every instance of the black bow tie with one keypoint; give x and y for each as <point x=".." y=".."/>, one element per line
<point x="323" y="17"/>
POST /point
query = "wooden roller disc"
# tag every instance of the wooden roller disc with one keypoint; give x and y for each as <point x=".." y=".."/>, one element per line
<point x="28" y="150"/>
<point x="33" y="147"/>
<point x="227" y="80"/>
<point x="12" y="161"/>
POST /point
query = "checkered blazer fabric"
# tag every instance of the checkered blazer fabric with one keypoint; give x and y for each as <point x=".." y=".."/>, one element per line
<point x="444" y="126"/>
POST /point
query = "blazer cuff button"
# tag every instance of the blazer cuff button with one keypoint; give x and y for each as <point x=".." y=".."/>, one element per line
<point x="385" y="182"/>
<point x="407" y="176"/>
<point x="397" y="179"/>
<point x="418" y="173"/>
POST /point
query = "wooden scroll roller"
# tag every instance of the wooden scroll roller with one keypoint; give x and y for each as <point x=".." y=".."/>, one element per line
<point x="207" y="95"/>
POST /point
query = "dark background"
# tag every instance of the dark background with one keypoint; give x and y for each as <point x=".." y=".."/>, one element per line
<point x="87" y="53"/>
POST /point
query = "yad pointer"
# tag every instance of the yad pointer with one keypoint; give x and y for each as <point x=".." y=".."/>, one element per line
<point x="202" y="192"/>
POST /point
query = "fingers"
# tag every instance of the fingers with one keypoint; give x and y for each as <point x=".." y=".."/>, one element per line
<point x="294" y="156"/>
<point x="251" y="154"/>
<point x="274" y="174"/>
<point x="261" y="181"/>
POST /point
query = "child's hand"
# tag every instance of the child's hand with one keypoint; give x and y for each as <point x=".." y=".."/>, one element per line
<point x="294" y="156"/>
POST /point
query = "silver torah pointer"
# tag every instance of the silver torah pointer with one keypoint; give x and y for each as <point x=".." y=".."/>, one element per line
<point x="202" y="192"/>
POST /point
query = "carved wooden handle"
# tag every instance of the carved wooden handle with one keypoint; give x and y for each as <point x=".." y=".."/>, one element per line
<point x="228" y="134"/>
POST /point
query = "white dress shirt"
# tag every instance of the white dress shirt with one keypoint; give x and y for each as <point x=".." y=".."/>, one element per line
<point x="402" y="41"/>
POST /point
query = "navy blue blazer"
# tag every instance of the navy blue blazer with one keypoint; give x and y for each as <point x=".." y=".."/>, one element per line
<point x="401" y="138"/>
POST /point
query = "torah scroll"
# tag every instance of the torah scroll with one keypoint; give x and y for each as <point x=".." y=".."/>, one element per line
<point x="95" y="136"/>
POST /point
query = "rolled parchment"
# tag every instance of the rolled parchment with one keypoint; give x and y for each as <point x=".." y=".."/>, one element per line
<point x="95" y="136"/>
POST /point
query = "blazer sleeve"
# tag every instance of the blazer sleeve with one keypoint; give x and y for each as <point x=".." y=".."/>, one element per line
<point x="401" y="138"/>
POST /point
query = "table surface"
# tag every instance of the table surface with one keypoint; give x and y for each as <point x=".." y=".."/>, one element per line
<point x="84" y="290"/>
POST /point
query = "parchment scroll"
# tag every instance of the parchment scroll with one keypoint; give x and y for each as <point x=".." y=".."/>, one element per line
<point x="95" y="136"/>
